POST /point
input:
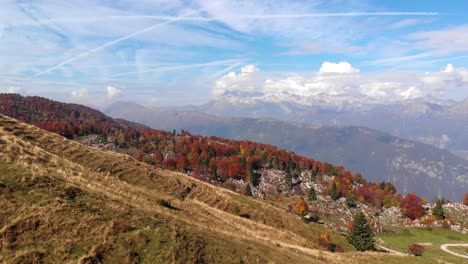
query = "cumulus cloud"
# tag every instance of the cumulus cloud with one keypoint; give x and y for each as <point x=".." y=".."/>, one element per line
<point x="245" y="81"/>
<point x="342" y="79"/>
<point x="341" y="67"/>
<point x="79" y="94"/>
<point x="113" y="92"/>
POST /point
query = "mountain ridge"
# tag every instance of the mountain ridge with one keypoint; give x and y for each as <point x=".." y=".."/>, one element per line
<point x="305" y="139"/>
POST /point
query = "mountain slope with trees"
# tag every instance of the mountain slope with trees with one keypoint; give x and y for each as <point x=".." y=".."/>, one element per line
<point x="268" y="170"/>
<point x="410" y="166"/>
<point x="64" y="202"/>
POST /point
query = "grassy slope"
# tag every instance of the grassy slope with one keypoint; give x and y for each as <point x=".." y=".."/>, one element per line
<point x="400" y="239"/>
<point x="62" y="202"/>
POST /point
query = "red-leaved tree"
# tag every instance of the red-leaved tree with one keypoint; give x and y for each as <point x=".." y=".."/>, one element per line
<point x="465" y="199"/>
<point x="412" y="206"/>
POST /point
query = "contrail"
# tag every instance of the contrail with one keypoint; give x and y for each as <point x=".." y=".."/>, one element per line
<point x="178" y="67"/>
<point x="400" y="59"/>
<point x="225" y="70"/>
<point x="199" y="18"/>
<point x="111" y="43"/>
<point x="345" y="14"/>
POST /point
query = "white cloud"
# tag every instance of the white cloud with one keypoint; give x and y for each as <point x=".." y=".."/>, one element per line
<point x="449" y="68"/>
<point x="245" y="81"/>
<point x="341" y="79"/>
<point x="14" y="89"/>
<point x="341" y="67"/>
<point x="79" y="93"/>
<point x="113" y="92"/>
<point x="405" y="23"/>
<point x="444" y="41"/>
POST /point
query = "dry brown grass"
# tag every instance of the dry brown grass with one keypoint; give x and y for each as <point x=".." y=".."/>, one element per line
<point x="66" y="202"/>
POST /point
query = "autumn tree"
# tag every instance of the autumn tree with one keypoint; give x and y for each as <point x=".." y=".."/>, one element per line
<point x="360" y="235"/>
<point x="301" y="207"/>
<point x="412" y="206"/>
<point x="438" y="210"/>
<point x="465" y="199"/>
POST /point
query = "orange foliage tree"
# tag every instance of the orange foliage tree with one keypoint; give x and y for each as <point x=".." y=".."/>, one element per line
<point x="465" y="199"/>
<point x="301" y="207"/>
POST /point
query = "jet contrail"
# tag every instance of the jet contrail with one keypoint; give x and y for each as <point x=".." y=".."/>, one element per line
<point x="199" y="18"/>
<point x="111" y="43"/>
<point x="345" y="14"/>
<point x="225" y="70"/>
<point x="178" y="67"/>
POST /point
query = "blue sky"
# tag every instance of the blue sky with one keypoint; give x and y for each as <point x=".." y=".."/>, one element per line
<point x="181" y="52"/>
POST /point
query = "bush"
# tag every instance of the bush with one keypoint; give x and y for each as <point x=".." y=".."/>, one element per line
<point x="351" y="202"/>
<point x="166" y="203"/>
<point x="324" y="240"/>
<point x="314" y="218"/>
<point x="416" y="249"/>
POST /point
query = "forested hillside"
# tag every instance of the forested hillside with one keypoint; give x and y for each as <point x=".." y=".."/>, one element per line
<point x="229" y="163"/>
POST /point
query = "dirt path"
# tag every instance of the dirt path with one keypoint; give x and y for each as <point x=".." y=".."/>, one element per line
<point x="444" y="247"/>
<point x="390" y="250"/>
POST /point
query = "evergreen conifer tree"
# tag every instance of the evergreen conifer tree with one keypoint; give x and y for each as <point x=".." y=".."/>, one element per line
<point x="312" y="194"/>
<point x="438" y="210"/>
<point x="360" y="235"/>
<point x="248" y="190"/>
<point x="333" y="192"/>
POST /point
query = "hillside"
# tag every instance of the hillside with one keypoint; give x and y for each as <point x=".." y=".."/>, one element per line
<point x="62" y="201"/>
<point x="410" y="166"/>
<point x="267" y="171"/>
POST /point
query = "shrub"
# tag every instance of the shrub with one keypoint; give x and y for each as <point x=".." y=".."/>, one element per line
<point x="166" y="203"/>
<point x="245" y="216"/>
<point x="311" y="218"/>
<point x="351" y="202"/>
<point x="446" y="224"/>
<point x="324" y="240"/>
<point x="416" y="249"/>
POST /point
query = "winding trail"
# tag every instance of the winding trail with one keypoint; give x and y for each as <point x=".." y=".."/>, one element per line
<point x="444" y="247"/>
<point x="390" y="250"/>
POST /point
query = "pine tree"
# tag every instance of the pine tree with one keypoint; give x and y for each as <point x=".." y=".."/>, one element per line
<point x="312" y="194"/>
<point x="360" y="235"/>
<point x="248" y="190"/>
<point x="333" y="193"/>
<point x="438" y="210"/>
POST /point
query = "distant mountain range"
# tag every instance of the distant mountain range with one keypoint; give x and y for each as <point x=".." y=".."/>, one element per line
<point x="441" y="123"/>
<point x="410" y="166"/>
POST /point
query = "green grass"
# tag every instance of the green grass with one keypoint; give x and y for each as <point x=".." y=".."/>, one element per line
<point x="244" y="200"/>
<point x="401" y="238"/>
<point x="459" y="250"/>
